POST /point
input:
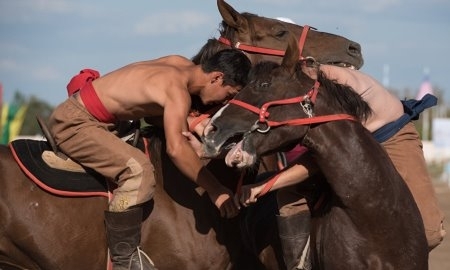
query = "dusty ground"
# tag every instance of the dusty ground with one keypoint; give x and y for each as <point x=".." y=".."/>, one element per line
<point x="440" y="256"/>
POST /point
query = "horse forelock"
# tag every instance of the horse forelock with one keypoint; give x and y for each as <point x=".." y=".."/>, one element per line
<point x="341" y="96"/>
<point x="227" y="31"/>
<point x="230" y="33"/>
<point x="261" y="70"/>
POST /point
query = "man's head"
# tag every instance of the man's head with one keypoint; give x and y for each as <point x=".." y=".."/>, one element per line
<point x="232" y="63"/>
<point x="229" y="73"/>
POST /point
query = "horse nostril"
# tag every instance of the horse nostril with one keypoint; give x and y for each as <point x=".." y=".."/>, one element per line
<point x="354" y="49"/>
<point x="209" y="130"/>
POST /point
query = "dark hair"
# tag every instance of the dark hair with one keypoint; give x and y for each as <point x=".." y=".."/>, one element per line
<point x="211" y="47"/>
<point x="232" y="63"/>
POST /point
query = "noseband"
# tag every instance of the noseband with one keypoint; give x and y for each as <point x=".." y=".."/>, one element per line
<point x="261" y="50"/>
<point x="306" y="102"/>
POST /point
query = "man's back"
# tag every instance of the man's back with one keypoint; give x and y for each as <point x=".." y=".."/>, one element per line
<point x="385" y="106"/>
<point x="140" y="89"/>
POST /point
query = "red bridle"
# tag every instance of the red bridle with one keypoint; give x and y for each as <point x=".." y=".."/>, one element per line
<point x="310" y="97"/>
<point x="261" y="50"/>
<point x="263" y="113"/>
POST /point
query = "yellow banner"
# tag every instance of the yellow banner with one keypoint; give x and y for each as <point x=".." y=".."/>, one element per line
<point x="11" y="122"/>
<point x="16" y="124"/>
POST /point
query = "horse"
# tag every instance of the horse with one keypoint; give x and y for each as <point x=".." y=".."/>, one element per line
<point x="366" y="218"/>
<point x="43" y="230"/>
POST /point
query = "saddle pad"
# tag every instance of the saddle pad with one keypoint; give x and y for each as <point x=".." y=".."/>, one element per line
<point x="28" y="155"/>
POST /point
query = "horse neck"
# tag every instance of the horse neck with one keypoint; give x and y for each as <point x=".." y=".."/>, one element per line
<point x="351" y="160"/>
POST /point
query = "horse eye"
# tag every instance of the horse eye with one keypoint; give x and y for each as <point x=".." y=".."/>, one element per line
<point x="281" y="34"/>
<point x="264" y="84"/>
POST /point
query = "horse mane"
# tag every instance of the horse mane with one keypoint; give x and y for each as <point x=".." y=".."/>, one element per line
<point x="343" y="96"/>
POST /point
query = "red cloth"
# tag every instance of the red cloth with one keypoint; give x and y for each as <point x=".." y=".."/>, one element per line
<point x="83" y="82"/>
<point x="79" y="80"/>
<point x="296" y="152"/>
<point x="93" y="104"/>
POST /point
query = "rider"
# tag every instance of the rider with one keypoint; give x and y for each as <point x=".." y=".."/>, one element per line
<point x="391" y="125"/>
<point x="83" y="128"/>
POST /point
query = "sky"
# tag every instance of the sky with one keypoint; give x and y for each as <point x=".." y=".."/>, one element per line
<point x="43" y="43"/>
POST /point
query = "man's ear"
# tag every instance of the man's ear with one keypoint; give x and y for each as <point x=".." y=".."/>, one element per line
<point x="216" y="76"/>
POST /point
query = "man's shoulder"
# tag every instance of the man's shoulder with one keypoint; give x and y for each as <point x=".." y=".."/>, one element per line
<point x="175" y="59"/>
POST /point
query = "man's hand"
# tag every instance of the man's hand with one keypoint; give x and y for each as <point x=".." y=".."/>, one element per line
<point x="195" y="143"/>
<point x="249" y="193"/>
<point x="227" y="204"/>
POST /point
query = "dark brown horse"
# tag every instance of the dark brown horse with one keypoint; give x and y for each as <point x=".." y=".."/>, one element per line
<point x="368" y="219"/>
<point x="39" y="230"/>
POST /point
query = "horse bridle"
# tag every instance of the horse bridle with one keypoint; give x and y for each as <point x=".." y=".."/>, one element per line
<point x="262" y="50"/>
<point x="306" y="101"/>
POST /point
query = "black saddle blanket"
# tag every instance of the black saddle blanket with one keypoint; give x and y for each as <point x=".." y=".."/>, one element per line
<point x="28" y="155"/>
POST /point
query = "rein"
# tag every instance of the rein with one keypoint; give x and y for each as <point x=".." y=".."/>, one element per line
<point x="305" y="101"/>
<point x="262" y="50"/>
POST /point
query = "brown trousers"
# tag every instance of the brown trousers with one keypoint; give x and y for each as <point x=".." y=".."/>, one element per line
<point x="405" y="151"/>
<point x="93" y="144"/>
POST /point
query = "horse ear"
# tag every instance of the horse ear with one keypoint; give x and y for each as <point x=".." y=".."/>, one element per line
<point x="291" y="55"/>
<point x="233" y="18"/>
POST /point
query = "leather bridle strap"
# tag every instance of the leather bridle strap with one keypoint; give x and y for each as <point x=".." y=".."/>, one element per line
<point x="262" y="50"/>
<point x="302" y="40"/>
<point x="310" y="96"/>
<point x="250" y="48"/>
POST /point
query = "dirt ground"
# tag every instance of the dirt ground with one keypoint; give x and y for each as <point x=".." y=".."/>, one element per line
<point x="440" y="256"/>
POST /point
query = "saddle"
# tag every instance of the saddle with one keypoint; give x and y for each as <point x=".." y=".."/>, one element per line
<point x="56" y="173"/>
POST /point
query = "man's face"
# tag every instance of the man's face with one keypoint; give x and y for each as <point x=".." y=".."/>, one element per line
<point x="223" y="94"/>
<point x="216" y="92"/>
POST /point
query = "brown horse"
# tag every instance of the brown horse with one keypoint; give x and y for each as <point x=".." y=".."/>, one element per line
<point x="368" y="218"/>
<point x="39" y="230"/>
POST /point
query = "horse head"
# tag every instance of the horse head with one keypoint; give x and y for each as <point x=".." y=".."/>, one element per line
<point x="266" y="39"/>
<point x="276" y="109"/>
